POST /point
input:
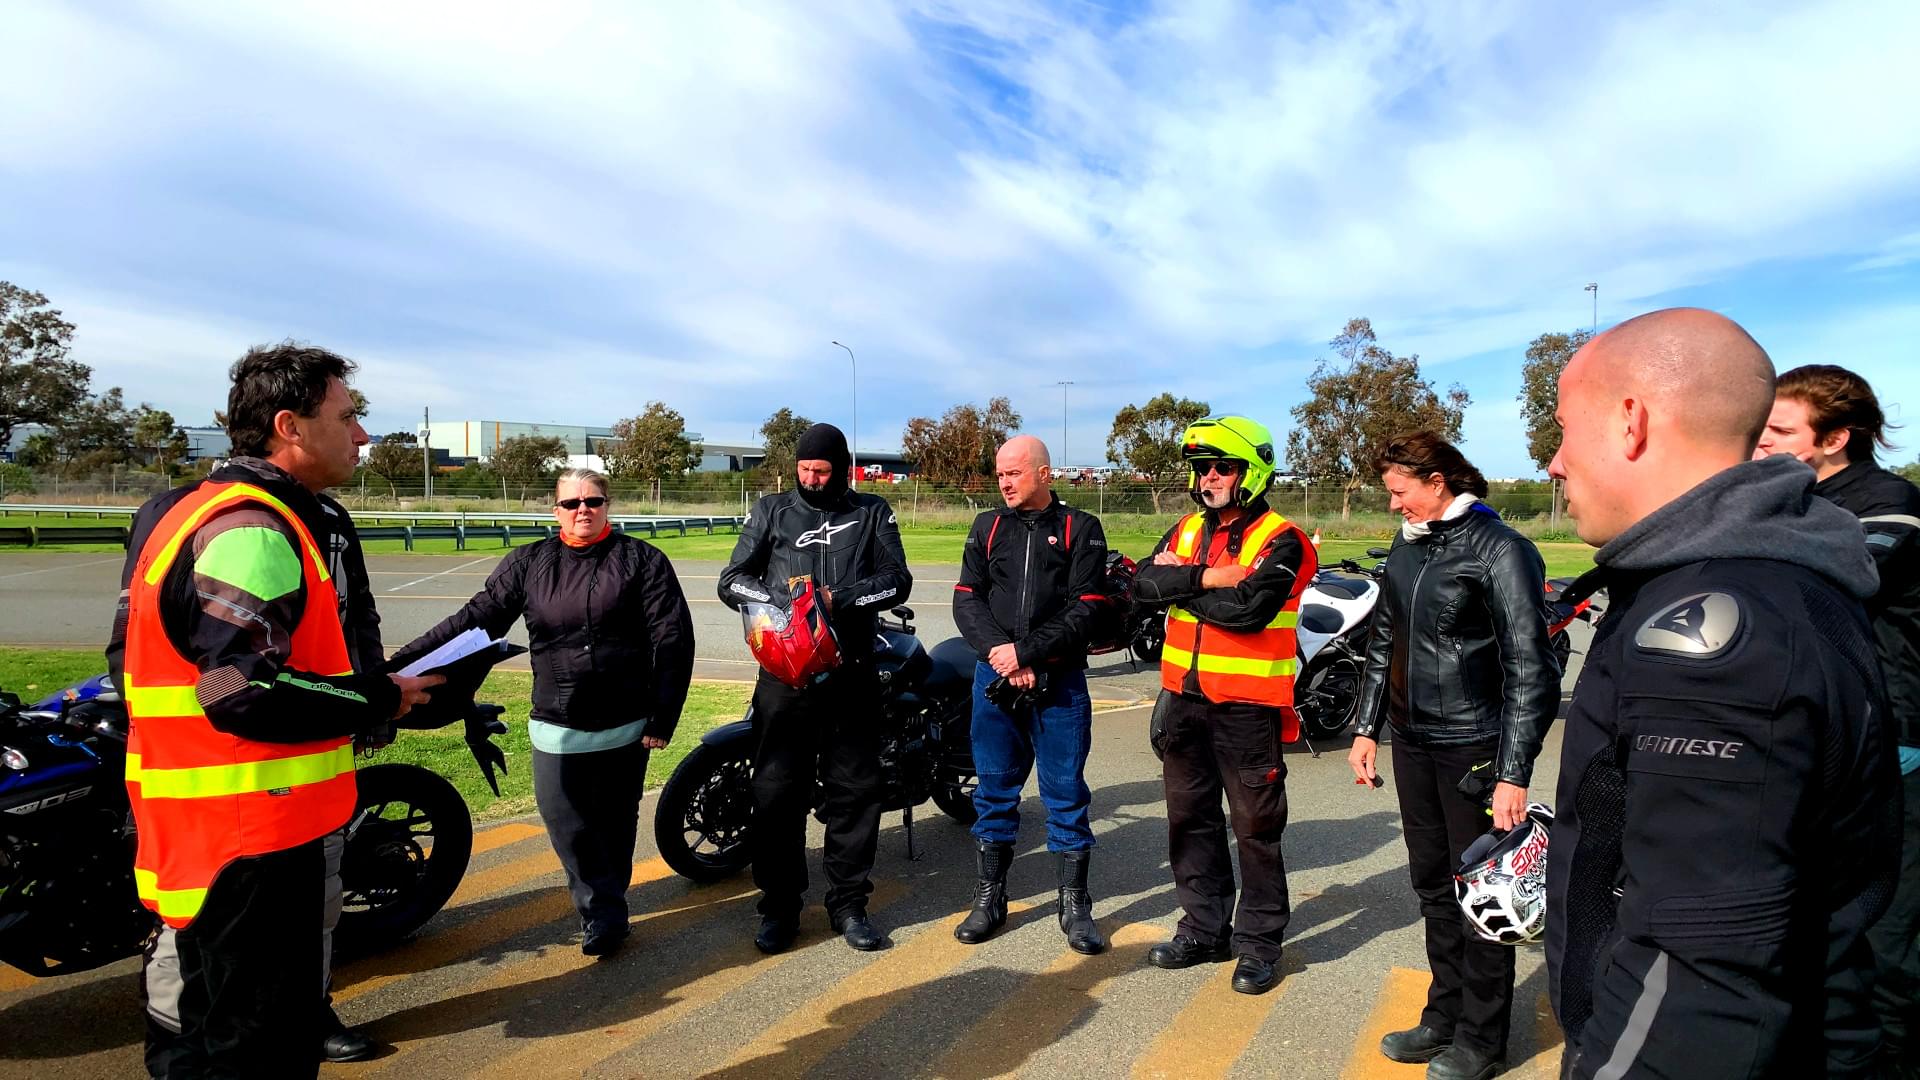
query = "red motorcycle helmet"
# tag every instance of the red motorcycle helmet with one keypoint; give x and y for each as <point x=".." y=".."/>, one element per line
<point x="795" y="644"/>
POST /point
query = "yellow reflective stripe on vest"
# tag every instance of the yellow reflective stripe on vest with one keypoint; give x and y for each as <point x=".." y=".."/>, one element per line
<point x="1189" y="534"/>
<point x="152" y="701"/>
<point x="1283" y="621"/>
<point x="1229" y="665"/>
<point x="171" y="903"/>
<point x="1253" y="543"/>
<point x="168" y="553"/>
<point x="240" y="778"/>
<point x="149" y="702"/>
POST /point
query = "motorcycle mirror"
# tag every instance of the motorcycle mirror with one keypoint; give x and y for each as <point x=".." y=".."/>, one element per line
<point x="903" y="612"/>
<point x="1376" y="553"/>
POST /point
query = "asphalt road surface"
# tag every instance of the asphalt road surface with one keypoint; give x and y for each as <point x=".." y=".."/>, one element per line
<point x="495" y="985"/>
<point x="66" y="600"/>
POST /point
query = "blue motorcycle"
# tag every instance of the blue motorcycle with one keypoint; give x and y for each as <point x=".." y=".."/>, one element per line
<point x="67" y="900"/>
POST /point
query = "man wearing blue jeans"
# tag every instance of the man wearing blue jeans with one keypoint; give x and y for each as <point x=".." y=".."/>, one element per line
<point x="1030" y="578"/>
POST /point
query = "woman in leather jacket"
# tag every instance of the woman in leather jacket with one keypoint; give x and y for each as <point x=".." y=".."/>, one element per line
<point x="612" y="650"/>
<point x="1459" y="664"/>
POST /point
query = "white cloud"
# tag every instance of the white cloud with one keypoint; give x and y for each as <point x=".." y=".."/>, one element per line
<point x="510" y="209"/>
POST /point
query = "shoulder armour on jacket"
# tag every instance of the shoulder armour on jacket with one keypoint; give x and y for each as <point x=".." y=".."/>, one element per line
<point x="1697" y="627"/>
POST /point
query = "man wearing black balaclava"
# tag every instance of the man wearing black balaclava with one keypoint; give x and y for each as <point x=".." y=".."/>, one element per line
<point x="847" y="543"/>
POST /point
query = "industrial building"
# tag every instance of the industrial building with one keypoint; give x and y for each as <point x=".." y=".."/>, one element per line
<point x="474" y="440"/>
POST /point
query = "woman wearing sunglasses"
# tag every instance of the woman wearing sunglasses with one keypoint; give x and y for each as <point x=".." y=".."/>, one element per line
<point x="611" y="642"/>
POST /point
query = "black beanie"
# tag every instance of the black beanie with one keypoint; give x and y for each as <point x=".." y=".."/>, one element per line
<point x="824" y="442"/>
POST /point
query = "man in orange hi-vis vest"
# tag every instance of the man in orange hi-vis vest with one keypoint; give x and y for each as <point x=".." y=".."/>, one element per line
<point x="244" y="703"/>
<point x="1232" y="574"/>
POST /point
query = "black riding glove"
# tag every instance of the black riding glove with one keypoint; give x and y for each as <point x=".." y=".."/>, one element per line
<point x="480" y="732"/>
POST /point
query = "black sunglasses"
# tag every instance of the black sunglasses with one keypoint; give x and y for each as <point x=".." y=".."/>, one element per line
<point x="1223" y="466"/>
<point x="592" y="502"/>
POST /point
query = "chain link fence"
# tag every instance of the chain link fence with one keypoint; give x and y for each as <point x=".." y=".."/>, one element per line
<point x="1126" y="505"/>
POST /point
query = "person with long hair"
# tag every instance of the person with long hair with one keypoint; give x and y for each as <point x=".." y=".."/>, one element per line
<point x="1459" y="665"/>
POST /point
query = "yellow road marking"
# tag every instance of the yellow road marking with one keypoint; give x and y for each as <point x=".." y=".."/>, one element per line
<point x="498" y="878"/>
<point x="1547" y="1044"/>
<point x="1402" y="995"/>
<point x="1209" y="1036"/>
<point x="806" y="1036"/>
<point x="501" y="835"/>
<point x="1046" y="1005"/>
<point x="732" y="965"/>
<point x="440" y="949"/>
<point x="551" y="961"/>
<point x="12" y="979"/>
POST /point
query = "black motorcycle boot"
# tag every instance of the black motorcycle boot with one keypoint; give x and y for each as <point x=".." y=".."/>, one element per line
<point x="858" y="931"/>
<point x="341" y="1043"/>
<point x="1253" y="975"/>
<point x="776" y="935"/>
<point x="1184" y="952"/>
<point x="1414" y="1045"/>
<point x="989" y="896"/>
<point x="603" y="937"/>
<point x="1458" y="1062"/>
<point x="1076" y="904"/>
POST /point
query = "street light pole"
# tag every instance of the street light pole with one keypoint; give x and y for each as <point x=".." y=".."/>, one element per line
<point x="1063" y="384"/>
<point x="853" y="438"/>
<point x="1594" y="288"/>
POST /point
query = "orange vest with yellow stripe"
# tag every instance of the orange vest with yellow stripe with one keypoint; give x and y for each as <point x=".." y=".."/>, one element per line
<point x="1256" y="667"/>
<point x="202" y="798"/>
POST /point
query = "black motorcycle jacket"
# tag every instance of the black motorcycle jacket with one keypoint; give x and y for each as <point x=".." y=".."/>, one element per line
<point x="1728" y="815"/>
<point x="1457" y="651"/>
<point x="1031" y="578"/>
<point x="608" y="631"/>
<point x="850" y="547"/>
<point x="1888" y="506"/>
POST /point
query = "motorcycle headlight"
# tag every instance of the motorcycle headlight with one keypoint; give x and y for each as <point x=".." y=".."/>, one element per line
<point x="13" y="759"/>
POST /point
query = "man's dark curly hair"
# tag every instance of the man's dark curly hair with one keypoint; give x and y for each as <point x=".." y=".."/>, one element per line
<point x="274" y="377"/>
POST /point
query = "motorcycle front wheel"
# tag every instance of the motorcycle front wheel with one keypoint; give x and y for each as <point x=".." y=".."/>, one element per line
<point x="404" y="858"/>
<point x="1149" y="640"/>
<point x="706" y="807"/>
<point x="1327" y="697"/>
<point x="956" y="800"/>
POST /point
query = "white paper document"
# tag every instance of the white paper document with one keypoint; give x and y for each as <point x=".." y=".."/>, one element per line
<point x="459" y="647"/>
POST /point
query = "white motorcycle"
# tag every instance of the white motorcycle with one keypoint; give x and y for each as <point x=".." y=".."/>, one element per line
<point x="1332" y="635"/>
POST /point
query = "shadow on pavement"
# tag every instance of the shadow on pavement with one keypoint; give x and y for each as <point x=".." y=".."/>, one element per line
<point x="1330" y="924"/>
<point x="1535" y="1032"/>
<point x="85" y="1018"/>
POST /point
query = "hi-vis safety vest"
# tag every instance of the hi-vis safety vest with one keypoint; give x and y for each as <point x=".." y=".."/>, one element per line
<point x="1256" y="667"/>
<point x="202" y="798"/>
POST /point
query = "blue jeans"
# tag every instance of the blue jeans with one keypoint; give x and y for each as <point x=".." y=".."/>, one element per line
<point x="1057" y="733"/>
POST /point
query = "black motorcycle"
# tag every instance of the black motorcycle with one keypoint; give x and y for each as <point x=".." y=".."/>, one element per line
<point x="925" y="712"/>
<point x="67" y="898"/>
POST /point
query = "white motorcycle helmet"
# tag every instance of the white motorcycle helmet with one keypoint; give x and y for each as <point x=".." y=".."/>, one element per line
<point x="1501" y="885"/>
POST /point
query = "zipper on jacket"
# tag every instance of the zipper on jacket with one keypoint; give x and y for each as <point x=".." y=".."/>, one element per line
<point x="1413" y="605"/>
<point x="1026" y="585"/>
<point x="820" y="557"/>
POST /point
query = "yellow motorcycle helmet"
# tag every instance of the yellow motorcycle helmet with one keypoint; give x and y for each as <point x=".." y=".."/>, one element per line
<point x="1234" y="438"/>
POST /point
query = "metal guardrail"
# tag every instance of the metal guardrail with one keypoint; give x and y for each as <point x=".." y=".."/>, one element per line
<point x="424" y="525"/>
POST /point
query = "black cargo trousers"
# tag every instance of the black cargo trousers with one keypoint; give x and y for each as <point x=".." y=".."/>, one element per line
<point x="829" y="732"/>
<point x="1232" y="750"/>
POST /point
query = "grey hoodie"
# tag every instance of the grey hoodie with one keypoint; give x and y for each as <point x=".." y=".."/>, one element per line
<point x="1762" y="509"/>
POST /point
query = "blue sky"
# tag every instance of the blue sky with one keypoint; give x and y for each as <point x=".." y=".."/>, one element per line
<point x="557" y="215"/>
